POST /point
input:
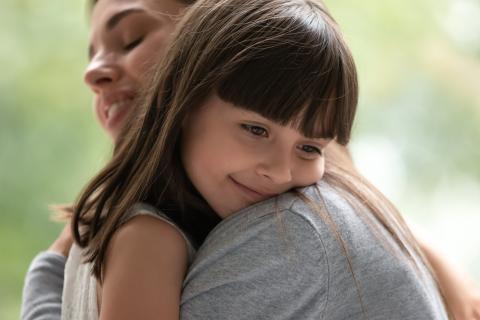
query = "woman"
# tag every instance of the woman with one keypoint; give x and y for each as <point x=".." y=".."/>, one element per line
<point x="110" y="108"/>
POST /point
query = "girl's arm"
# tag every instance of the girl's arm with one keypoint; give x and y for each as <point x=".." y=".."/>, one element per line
<point x="145" y="266"/>
<point x="461" y="294"/>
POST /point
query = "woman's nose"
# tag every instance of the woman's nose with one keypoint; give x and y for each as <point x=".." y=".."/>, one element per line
<point x="101" y="73"/>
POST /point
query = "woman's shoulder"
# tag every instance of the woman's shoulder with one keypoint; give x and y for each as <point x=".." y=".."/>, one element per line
<point x="258" y="255"/>
<point x="301" y="213"/>
<point x="270" y="235"/>
<point x="316" y="248"/>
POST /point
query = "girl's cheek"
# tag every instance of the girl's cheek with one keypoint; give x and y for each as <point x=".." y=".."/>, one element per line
<point x="320" y="171"/>
<point x="309" y="174"/>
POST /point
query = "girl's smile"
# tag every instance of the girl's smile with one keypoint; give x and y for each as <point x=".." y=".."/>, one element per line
<point x="253" y="193"/>
<point x="236" y="158"/>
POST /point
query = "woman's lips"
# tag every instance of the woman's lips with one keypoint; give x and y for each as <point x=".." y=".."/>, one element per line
<point x="116" y="112"/>
<point x="115" y="108"/>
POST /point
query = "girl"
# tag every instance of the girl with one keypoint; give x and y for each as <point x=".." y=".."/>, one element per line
<point x="123" y="72"/>
<point x="240" y="111"/>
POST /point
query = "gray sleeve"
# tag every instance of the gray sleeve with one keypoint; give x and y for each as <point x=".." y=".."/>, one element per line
<point x="42" y="291"/>
<point x="291" y="265"/>
<point x="258" y="268"/>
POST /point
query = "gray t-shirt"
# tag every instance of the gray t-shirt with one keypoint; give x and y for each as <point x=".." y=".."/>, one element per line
<point x="279" y="259"/>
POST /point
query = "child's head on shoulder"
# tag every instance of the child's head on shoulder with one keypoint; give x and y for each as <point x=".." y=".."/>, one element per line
<point x="248" y="96"/>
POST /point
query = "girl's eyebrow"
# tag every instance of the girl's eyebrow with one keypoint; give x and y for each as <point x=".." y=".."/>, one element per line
<point x="116" y="18"/>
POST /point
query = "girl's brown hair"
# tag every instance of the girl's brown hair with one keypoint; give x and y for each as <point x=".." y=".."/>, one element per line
<point x="284" y="59"/>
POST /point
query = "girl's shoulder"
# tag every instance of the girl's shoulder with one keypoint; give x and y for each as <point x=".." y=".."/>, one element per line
<point x="146" y="257"/>
<point x="146" y="239"/>
<point x="147" y="210"/>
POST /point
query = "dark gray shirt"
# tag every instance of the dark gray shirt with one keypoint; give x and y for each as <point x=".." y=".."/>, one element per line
<point x="280" y="259"/>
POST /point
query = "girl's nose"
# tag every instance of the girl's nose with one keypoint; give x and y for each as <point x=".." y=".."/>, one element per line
<point x="101" y="73"/>
<point x="277" y="168"/>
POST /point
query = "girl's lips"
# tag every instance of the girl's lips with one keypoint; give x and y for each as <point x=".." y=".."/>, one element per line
<point x="252" y="194"/>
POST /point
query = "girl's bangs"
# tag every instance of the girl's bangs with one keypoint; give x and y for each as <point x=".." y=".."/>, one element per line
<point x="305" y="78"/>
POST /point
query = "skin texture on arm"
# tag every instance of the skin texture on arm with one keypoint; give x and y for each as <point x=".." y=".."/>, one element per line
<point x="145" y="266"/>
<point x="461" y="293"/>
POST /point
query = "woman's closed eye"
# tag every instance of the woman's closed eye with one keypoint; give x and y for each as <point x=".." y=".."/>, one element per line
<point x="255" y="130"/>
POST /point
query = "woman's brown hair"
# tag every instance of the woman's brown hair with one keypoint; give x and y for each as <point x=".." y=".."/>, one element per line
<point x="284" y="59"/>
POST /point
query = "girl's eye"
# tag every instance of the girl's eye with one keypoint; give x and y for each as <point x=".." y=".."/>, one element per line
<point x="255" y="130"/>
<point x="133" y="44"/>
<point x="310" y="149"/>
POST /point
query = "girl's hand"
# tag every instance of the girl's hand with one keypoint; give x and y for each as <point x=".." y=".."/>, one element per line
<point x="64" y="241"/>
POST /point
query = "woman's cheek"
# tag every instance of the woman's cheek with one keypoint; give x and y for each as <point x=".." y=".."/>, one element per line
<point x="140" y="64"/>
<point x="145" y="56"/>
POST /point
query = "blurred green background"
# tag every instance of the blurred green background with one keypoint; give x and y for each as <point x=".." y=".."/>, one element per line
<point x="416" y="137"/>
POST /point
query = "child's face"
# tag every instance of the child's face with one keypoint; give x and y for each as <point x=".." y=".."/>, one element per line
<point x="127" y="37"/>
<point x="235" y="157"/>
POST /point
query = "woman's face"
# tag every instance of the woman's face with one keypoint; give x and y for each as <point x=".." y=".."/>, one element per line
<point x="127" y="37"/>
<point x="236" y="157"/>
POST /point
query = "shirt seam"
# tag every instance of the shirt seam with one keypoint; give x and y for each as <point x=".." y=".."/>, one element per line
<point x="322" y="243"/>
